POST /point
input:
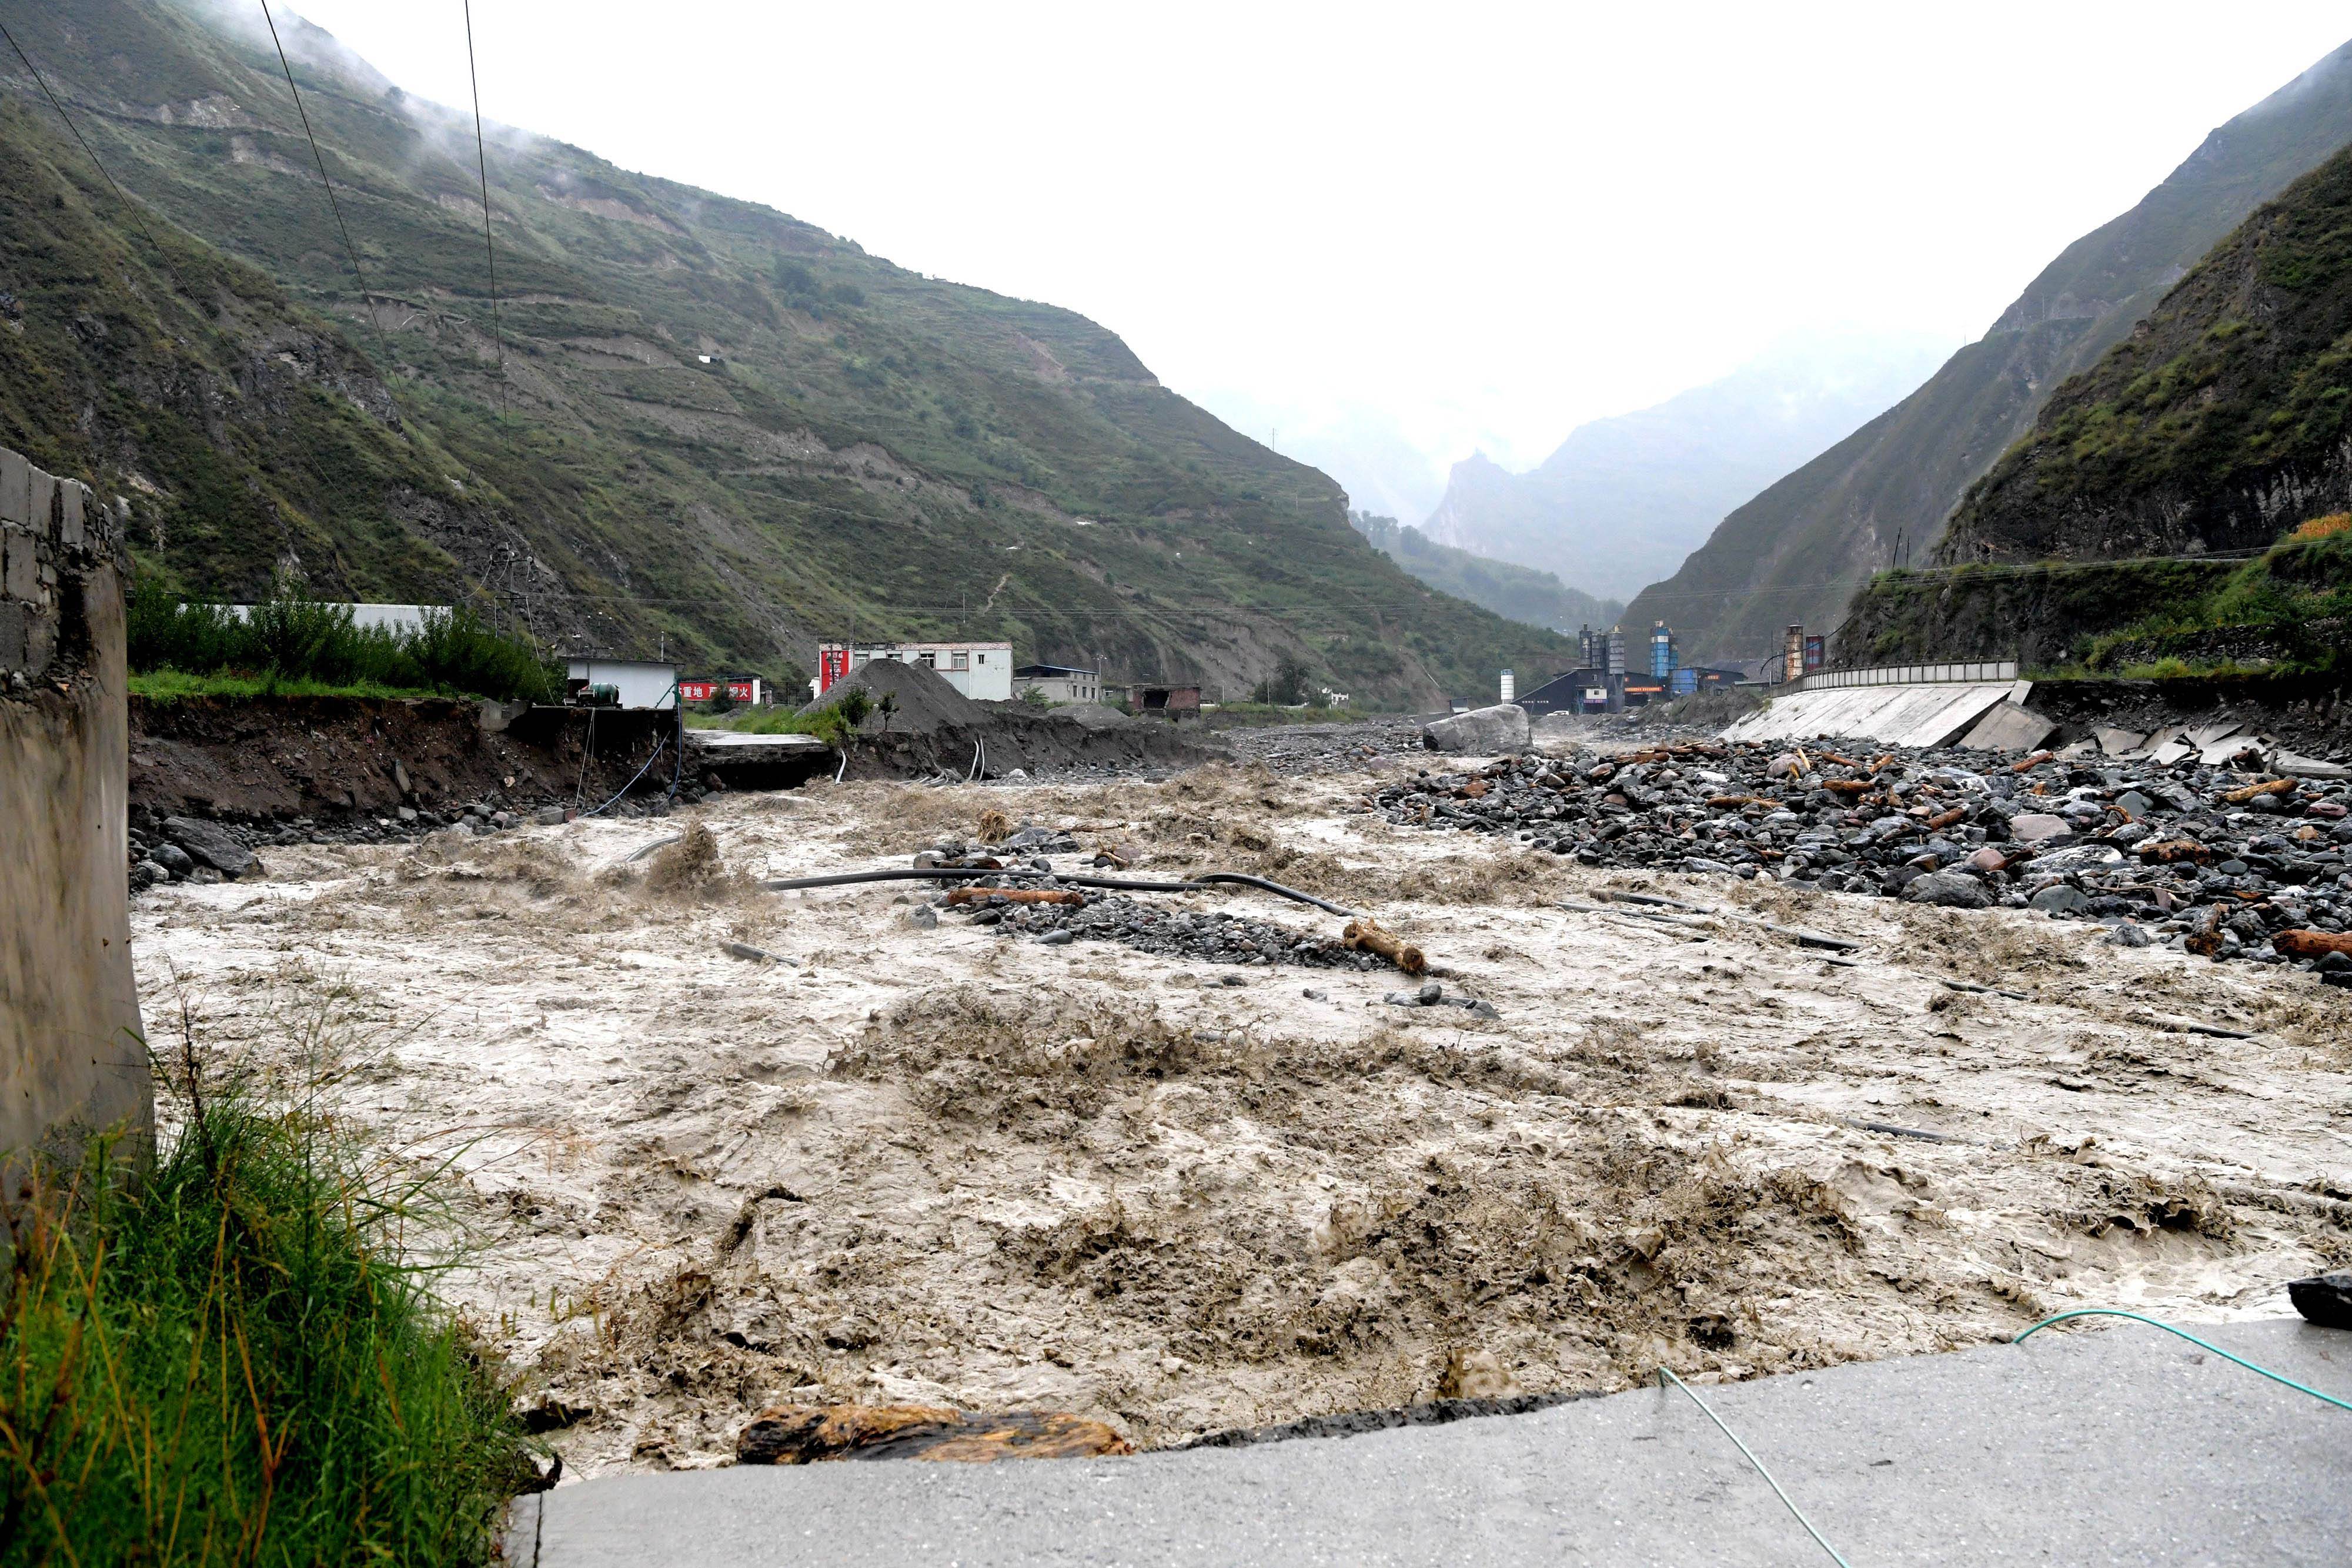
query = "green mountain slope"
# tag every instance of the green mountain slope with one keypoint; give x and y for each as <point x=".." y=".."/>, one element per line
<point x="708" y="425"/>
<point x="1516" y="592"/>
<point x="1798" y="550"/>
<point x="2224" y="419"/>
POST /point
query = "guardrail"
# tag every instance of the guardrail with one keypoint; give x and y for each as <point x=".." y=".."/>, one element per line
<point x="1910" y="674"/>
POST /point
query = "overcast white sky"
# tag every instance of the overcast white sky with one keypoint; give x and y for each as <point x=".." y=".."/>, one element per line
<point x="1479" y="224"/>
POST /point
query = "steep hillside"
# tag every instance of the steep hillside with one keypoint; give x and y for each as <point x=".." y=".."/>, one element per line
<point x="2220" y="422"/>
<point x="1516" y="592"/>
<point x="692" y="420"/>
<point x="1797" y="551"/>
<point x="1622" y="500"/>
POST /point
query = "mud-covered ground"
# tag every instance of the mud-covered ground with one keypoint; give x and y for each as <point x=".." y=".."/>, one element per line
<point x="951" y="1165"/>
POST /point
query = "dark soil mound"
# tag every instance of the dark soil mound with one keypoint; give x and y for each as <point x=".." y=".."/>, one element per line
<point x="926" y="702"/>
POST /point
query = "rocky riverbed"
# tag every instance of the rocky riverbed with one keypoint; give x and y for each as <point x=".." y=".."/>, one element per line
<point x="2221" y="862"/>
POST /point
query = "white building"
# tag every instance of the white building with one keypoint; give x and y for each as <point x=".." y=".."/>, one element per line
<point x="642" y="682"/>
<point x="1059" y="683"/>
<point x="981" y="671"/>
<point x="405" y="619"/>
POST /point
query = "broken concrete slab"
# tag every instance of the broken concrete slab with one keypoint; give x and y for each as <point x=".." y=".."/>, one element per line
<point x="2297" y="766"/>
<point x="2008" y="727"/>
<point x="1497" y="731"/>
<point x="2118" y="742"/>
<point x="1923" y="715"/>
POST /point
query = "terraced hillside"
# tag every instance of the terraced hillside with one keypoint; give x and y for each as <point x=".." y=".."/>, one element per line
<point x="690" y="420"/>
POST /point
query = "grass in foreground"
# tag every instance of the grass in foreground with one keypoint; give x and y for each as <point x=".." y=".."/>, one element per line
<point x="223" y="1359"/>
<point x="178" y="686"/>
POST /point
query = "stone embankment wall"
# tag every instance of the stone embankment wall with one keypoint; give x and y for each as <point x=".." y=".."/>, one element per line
<point x="71" y="1051"/>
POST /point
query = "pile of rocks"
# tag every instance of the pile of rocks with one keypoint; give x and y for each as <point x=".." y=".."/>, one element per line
<point x="1193" y="937"/>
<point x="1326" y="747"/>
<point x="2216" y="860"/>
<point x="1097" y="915"/>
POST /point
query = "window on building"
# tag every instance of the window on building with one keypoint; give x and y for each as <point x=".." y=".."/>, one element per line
<point x="983" y="658"/>
<point x="931" y="659"/>
<point x="964" y="661"/>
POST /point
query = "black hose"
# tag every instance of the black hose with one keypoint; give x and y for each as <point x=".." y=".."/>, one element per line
<point x="1260" y="882"/>
<point x="950" y="873"/>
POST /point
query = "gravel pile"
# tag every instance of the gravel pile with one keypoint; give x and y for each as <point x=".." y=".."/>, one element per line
<point x="1324" y="747"/>
<point x="1202" y="938"/>
<point x="2215" y="861"/>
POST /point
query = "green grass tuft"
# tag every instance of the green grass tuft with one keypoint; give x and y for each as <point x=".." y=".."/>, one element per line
<point x="224" y="1358"/>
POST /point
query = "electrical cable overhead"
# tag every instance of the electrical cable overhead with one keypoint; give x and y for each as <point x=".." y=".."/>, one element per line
<point x="349" y="249"/>
<point x="482" y="164"/>
<point x="90" y="151"/>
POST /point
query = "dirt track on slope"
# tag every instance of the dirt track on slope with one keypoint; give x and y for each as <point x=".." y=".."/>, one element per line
<point x="951" y="1167"/>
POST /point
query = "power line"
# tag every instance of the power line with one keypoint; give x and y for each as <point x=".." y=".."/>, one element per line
<point x="482" y="164"/>
<point x="349" y="249"/>
<point x="88" y="150"/>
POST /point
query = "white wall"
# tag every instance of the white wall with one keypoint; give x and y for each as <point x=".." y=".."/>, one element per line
<point x="987" y="674"/>
<point x="642" y="683"/>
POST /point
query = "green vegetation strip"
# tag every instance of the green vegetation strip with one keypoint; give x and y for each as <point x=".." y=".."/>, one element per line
<point x="294" y="645"/>
<point x="221" y="1357"/>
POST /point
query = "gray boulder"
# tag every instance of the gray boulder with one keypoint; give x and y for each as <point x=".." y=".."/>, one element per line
<point x="1497" y="731"/>
<point x="1950" y="890"/>
<point x="176" y="861"/>
<point x="210" y="844"/>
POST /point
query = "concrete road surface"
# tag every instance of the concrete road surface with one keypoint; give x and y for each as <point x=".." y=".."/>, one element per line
<point x="2113" y="1445"/>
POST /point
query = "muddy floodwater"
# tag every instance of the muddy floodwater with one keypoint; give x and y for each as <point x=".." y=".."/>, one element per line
<point x="893" y="1161"/>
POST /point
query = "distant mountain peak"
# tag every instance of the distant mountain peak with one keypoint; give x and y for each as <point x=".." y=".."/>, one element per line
<point x="1621" y="499"/>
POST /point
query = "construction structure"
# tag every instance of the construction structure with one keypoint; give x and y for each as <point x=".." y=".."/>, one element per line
<point x="1059" y="683"/>
<point x="981" y="671"/>
<point x="1173" y="703"/>
<point x="1602" y="651"/>
<point x="621" y="683"/>
<point x="73" y="1055"/>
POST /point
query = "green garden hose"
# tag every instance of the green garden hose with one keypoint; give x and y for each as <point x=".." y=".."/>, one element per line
<point x="2193" y="1339"/>
<point x="1665" y="1378"/>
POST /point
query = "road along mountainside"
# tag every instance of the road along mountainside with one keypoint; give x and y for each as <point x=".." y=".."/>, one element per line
<point x="1166" y="1167"/>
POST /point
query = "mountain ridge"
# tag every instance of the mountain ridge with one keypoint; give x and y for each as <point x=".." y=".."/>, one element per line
<point x="724" y="431"/>
<point x="1517" y="593"/>
<point x="1798" y="550"/>
<point x="1621" y="499"/>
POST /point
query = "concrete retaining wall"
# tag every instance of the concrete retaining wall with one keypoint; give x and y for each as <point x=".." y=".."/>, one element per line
<point x="71" y="1051"/>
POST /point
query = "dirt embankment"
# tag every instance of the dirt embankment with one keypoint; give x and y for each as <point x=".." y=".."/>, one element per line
<point x="922" y="726"/>
<point x="1008" y="737"/>
<point x="332" y="757"/>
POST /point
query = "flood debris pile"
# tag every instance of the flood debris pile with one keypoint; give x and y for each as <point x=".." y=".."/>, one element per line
<point x="1217" y="937"/>
<point x="2217" y="860"/>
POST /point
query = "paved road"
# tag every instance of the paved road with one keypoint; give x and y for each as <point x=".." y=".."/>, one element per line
<point x="2119" y="1445"/>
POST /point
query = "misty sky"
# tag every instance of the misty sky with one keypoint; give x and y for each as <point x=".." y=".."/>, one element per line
<point x="1471" y="225"/>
